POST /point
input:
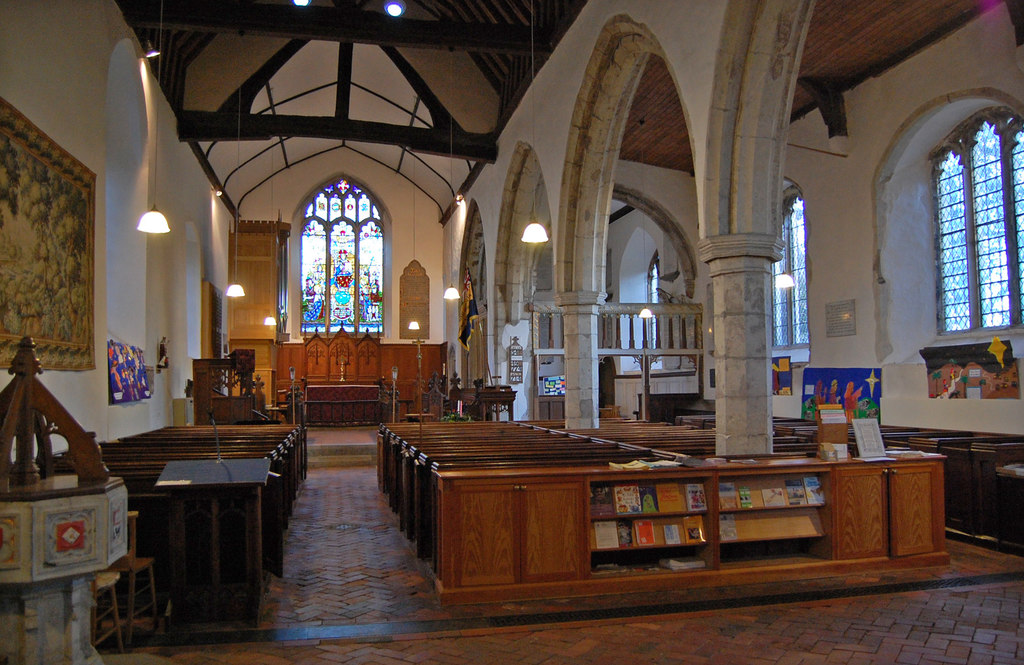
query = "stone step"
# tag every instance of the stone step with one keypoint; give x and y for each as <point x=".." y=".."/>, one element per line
<point x="325" y="455"/>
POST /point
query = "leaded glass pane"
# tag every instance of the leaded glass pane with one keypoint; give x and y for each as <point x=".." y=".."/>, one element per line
<point x="1018" y="197"/>
<point x="343" y="260"/>
<point x="989" y="229"/>
<point x="798" y="268"/>
<point x="955" y="311"/>
<point x="371" y="277"/>
<point x="313" y="251"/>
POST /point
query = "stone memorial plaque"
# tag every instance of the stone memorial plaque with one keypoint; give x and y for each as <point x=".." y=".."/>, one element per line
<point x="841" y="318"/>
<point x="414" y="301"/>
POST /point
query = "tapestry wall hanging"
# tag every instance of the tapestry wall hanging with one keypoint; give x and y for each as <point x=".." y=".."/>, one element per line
<point x="128" y="380"/>
<point x="47" y="213"/>
<point x="857" y="389"/>
<point x="972" y="371"/>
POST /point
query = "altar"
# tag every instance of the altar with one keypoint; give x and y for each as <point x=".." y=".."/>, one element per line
<point x="346" y="404"/>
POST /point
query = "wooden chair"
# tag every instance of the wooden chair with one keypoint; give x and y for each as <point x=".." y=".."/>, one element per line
<point x="131" y="567"/>
<point x="106" y="618"/>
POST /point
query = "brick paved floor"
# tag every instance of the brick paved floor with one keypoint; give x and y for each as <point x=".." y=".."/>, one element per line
<point x="353" y="592"/>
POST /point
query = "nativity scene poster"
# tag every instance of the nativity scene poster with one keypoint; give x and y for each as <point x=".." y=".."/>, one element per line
<point x="857" y="389"/>
<point x="972" y="371"/>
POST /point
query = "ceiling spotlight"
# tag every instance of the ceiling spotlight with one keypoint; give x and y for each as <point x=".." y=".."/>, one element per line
<point x="149" y="50"/>
<point x="219" y="193"/>
<point x="460" y="199"/>
<point x="394" y="8"/>
<point x="300" y="3"/>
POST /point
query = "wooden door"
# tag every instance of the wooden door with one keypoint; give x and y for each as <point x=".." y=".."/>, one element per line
<point x="553" y="537"/>
<point x="861" y="513"/>
<point x="483" y="551"/>
<point x="916" y="509"/>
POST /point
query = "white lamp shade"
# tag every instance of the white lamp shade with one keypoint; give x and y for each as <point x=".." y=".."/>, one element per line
<point x="270" y="321"/>
<point x="535" y="233"/>
<point x="646" y="313"/>
<point x="234" y="291"/>
<point x="394" y="8"/>
<point x="784" y="281"/>
<point x="414" y="325"/>
<point x="153" y="222"/>
<point x="451" y="293"/>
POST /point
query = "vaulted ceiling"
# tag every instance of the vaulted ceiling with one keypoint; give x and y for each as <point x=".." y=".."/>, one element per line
<point x="258" y="86"/>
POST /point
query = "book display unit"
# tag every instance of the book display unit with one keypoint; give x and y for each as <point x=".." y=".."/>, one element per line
<point x="557" y="531"/>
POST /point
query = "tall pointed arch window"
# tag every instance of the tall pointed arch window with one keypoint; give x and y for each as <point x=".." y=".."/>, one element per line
<point x="979" y="209"/>
<point x="342" y="259"/>
<point x="789" y="326"/>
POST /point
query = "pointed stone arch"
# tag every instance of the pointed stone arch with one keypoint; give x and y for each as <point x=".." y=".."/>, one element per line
<point x="668" y="225"/>
<point x="473" y="258"/>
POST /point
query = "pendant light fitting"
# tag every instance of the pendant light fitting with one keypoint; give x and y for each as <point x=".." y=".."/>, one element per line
<point x="154" y="220"/>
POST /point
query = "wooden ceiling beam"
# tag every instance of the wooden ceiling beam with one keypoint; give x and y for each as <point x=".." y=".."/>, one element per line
<point x="338" y="24"/>
<point x="215" y="126"/>
<point x="828" y="96"/>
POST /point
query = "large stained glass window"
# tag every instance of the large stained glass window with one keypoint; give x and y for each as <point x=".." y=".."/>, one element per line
<point x="342" y="258"/>
<point x="979" y="204"/>
<point x="790" y="302"/>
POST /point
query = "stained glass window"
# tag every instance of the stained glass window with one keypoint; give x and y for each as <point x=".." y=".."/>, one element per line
<point x="789" y="305"/>
<point x="342" y="259"/>
<point x="980" y="253"/>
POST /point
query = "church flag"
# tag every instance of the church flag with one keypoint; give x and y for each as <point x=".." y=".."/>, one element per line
<point x="467" y="312"/>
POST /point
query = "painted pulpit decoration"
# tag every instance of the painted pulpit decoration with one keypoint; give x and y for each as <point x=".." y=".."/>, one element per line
<point x="47" y="213"/>
<point x="782" y="376"/>
<point x="414" y="301"/>
<point x="972" y="371"/>
<point x="127" y="367"/>
<point x="857" y="389"/>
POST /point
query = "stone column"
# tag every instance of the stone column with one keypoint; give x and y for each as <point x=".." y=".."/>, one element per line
<point x="579" y="321"/>
<point x="741" y="279"/>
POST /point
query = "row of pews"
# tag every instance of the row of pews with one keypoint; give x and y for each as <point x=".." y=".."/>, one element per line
<point x="212" y="548"/>
<point x="410" y="455"/>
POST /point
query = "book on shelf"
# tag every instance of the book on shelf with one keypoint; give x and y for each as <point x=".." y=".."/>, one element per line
<point x="648" y="499"/>
<point x="727" y="527"/>
<point x="627" y="499"/>
<point x="643" y="532"/>
<point x="744" y="497"/>
<point x="601" y="501"/>
<point x="689" y="563"/>
<point x="815" y="494"/>
<point x="606" y="535"/>
<point x="670" y="500"/>
<point x="672" y="535"/>
<point x="727" y="497"/>
<point x="693" y="529"/>
<point x="695" y="499"/>
<point x="625" y="533"/>
<point x="773" y="496"/>
<point x="795" y="495"/>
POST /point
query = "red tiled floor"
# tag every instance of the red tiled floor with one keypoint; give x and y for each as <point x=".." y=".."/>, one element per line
<point x="348" y="565"/>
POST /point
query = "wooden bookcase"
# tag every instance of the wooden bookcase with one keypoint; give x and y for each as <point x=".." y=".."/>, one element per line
<point x="544" y="532"/>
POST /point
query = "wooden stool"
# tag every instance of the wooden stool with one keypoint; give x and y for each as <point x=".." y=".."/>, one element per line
<point x="131" y="567"/>
<point x="104" y="594"/>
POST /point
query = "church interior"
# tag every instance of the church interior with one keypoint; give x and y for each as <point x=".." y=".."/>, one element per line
<point x="511" y="331"/>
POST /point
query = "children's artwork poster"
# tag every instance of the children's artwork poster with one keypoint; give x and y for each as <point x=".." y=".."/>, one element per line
<point x="972" y="371"/>
<point x="857" y="389"/>
<point x="128" y="381"/>
<point x="782" y="376"/>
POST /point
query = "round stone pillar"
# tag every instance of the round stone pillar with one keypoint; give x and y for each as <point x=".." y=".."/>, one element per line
<point x="741" y="278"/>
<point x="579" y="325"/>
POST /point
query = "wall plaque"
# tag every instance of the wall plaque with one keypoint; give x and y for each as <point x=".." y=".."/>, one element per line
<point x="414" y="301"/>
<point x="515" y="361"/>
<point x="841" y="318"/>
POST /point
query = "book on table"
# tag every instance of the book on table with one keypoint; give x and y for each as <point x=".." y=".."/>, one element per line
<point x="627" y="499"/>
<point x="606" y="535"/>
<point x="601" y="501"/>
<point x="727" y="497"/>
<point x="774" y="497"/>
<point x="670" y="500"/>
<point x="815" y="494"/>
<point x="689" y="563"/>
<point x="648" y="499"/>
<point x="643" y="532"/>
<point x="695" y="499"/>
<point x="795" y="494"/>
